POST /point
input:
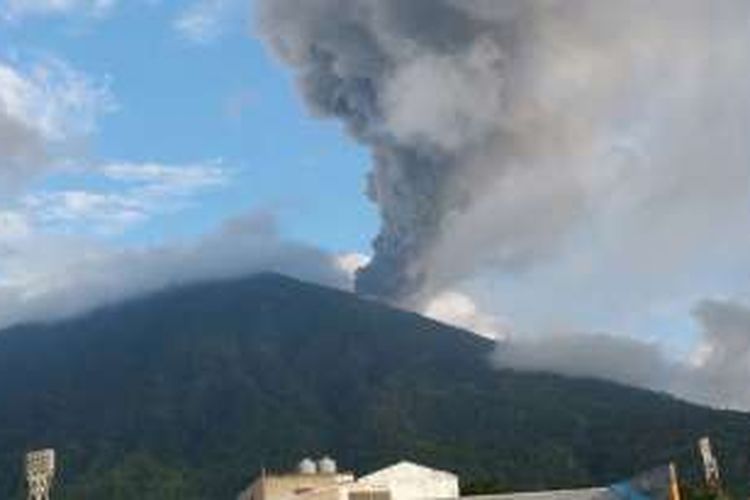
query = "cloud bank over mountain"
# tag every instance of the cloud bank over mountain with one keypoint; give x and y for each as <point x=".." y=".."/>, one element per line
<point x="37" y="284"/>
<point x="715" y="374"/>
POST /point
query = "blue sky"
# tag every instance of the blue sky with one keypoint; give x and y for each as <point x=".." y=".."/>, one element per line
<point x="181" y="99"/>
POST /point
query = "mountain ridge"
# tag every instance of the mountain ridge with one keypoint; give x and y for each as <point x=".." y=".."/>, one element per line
<point x="189" y="391"/>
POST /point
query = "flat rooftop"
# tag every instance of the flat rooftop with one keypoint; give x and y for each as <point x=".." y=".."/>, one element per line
<point x="582" y="494"/>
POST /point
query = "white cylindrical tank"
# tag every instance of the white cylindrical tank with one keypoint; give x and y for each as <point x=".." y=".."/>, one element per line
<point x="306" y="466"/>
<point x="327" y="465"/>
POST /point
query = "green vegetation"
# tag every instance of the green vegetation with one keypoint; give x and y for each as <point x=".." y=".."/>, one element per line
<point x="137" y="475"/>
<point x="188" y="393"/>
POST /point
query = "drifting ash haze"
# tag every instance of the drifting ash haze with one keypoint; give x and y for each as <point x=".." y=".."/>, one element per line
<point x="593" y="154"/>
<point x="716" y="375"/>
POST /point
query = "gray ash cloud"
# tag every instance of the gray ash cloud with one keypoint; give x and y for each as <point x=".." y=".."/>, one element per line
<point x="498" y="129"/>
<point x="348" y="56"/>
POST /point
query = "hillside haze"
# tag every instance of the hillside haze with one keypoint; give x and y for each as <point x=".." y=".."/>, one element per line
<point x="189" y="392"/>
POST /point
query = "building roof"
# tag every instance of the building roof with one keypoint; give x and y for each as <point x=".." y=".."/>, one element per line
<point x="404" y="468"/>
<point x="581" y="494"/>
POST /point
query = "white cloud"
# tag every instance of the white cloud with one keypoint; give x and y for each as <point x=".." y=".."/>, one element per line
<point x="458" y="309"/>
<point x="105" y="213"/>
<point x="45" y="108"/>
<point x="15" y="9"/>
<point x="140" y="191"/>
<point x="204" y="21"/>
<point x="168" y="180"/>
<point x="13" y="226"/>
<point x="350" y="263"/>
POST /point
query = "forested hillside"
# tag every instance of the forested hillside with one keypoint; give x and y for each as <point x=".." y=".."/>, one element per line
<point x="189" y="392"/>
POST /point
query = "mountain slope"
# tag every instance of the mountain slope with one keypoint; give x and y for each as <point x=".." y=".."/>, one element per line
<point x="189" y="392"/>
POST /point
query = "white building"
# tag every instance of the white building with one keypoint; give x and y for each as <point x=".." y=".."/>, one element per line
<point x="409" y="481"/>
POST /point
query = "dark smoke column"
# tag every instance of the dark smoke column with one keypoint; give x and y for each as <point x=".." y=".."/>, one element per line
<point x="411" y="209"/>
<point x="344" y="54"/>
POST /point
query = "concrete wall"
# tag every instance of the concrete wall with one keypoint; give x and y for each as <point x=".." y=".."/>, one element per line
<point x="369" y="495"/>
<point x="290" y="486"/>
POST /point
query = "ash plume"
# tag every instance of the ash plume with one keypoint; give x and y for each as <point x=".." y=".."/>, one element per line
<point x="501" y="129"/>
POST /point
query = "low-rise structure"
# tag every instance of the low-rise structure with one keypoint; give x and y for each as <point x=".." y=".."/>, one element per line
<point x="410" y="481"/>
<point x="321" y="481"/>
<point x="311" y="481"/>
<point x="402" y="481"/>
